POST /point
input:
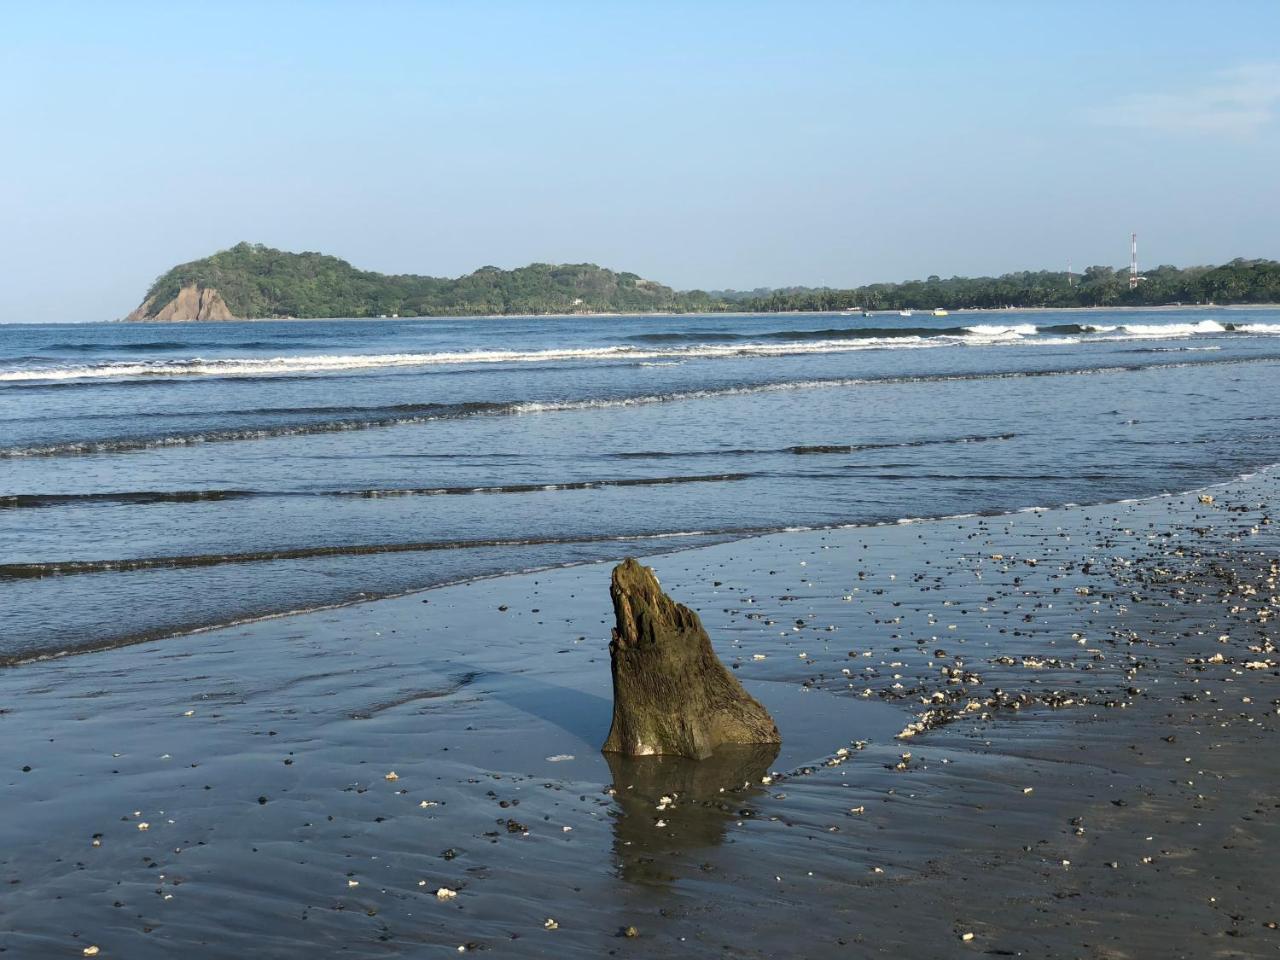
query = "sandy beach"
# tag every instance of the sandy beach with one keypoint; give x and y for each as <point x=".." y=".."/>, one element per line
<point x="566" y="561"/>
<point x="421" y="775"/>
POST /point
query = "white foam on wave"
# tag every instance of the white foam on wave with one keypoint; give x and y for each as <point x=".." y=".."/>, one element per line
<point x="975" y="336"/>
<point x="268" y="366"/>
<point x="1174" y="331"/>
<point x="319" y="363"/>
<point x="1162" y="330"/>
<point x="1053" y="341"/>
<point x="553" y="406"/>
<point x="998" y="330"/>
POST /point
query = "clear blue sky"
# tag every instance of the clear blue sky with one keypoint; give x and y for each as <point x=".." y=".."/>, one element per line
<point x="700" y="143"/>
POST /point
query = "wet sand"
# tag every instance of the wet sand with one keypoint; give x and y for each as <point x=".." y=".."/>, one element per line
<point x="1095" y="773"/>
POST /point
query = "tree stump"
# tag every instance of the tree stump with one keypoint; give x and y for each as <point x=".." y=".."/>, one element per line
<point x="671" y="694"/>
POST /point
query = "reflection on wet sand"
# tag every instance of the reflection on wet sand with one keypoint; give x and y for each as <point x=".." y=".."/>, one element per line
<point x="669" y="807"/>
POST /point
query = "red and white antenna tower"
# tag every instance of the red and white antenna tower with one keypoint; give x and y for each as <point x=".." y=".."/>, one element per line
<point x="1134" y="277"/>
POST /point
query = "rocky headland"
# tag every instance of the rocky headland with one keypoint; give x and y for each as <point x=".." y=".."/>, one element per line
<point x="191" y="303"/>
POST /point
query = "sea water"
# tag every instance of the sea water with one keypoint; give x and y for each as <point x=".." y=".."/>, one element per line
<point x="161" y="478"/>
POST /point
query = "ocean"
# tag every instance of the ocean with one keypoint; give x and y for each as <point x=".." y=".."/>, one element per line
<point x="162" y="478"/>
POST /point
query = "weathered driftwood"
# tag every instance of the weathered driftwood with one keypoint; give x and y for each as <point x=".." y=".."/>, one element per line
<point x="671" y="694"/>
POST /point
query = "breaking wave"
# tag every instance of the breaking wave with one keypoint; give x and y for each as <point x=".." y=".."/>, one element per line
<point x="678" y="345"/>
<point x="407" y="414"/>
<point x="63" y="568"/>
<point x="145" y="497"/>
<point x="809" y="449"/>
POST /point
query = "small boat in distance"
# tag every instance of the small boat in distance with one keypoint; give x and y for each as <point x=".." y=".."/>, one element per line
<point x="904" y="313"/>
<point x="939" y="312"/>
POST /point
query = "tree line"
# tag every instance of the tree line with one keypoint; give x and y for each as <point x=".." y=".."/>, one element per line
<point x="1240" y="281"/>
<point x="257" y="281"/>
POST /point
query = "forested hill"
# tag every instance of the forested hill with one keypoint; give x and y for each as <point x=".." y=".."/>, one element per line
<point x="252" y="281"/>
<point x="1240" y="281"/>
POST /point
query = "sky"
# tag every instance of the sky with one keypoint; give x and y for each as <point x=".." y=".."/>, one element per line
<point x="701" y="144"/>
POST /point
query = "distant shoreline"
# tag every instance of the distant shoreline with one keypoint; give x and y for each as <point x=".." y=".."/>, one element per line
<point x="254" y="280"/>
<point x="1189" y="307"/>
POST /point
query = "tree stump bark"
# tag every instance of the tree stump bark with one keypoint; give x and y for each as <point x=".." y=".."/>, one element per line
<point x="671" y="694"/>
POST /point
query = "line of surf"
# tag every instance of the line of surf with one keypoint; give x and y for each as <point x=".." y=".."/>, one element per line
<point x="147" y="497"/>
<point x="101" y="645"/>
<point x="132" y="443"/>
<point x="64" y="568"/>
<point x="778" y="343"/>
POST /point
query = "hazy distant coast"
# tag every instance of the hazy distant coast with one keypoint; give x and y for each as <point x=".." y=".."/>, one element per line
<point x="253" y="282"/>
<point x="1152" y="308"/>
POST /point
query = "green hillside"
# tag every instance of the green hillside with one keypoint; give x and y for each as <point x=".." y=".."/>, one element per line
<point x="257" y="281"/>
<point x="252" y="281"/>
<point x="1240" y="281"/>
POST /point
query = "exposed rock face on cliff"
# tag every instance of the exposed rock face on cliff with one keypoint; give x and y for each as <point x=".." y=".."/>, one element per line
<point x="193" y="302"/>
<point x="671" y="694"/>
